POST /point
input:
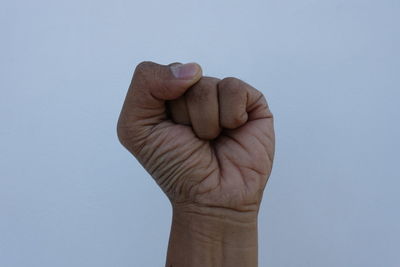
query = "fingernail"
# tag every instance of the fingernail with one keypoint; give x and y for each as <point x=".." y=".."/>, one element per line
<point x="185" y="71"/>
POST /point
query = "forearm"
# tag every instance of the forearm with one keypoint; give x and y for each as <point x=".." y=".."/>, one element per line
<point x="218" y="239"/>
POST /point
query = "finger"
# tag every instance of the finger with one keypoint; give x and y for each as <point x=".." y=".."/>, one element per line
<point x="239" y="102"/>
<point x="152" y="84"/>
<point x="202" y="105"/>
<point x="175" y="63"/>
<point x="178" y="111"/>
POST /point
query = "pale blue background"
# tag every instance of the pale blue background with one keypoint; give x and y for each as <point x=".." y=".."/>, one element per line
<point x="70" y="195"/>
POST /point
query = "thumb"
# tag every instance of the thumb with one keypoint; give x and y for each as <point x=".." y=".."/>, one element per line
<point x="152" y="84"/>
<point x="163" y="82"/>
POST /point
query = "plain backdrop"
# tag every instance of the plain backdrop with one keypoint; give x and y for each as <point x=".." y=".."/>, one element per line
<point x="71" y="195"/>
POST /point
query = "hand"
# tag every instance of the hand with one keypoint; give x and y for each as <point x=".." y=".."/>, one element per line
<point x="208" y="143"/>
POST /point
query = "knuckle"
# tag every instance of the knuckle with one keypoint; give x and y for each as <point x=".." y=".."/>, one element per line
<point x="202" y="90"/>
<point x="230" y="84"/>
<point x="199" y="92"/>
<point x="143" y="69"/>
<point x="144" y="65"/>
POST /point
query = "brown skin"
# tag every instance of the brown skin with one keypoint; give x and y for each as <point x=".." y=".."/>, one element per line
<point x="209" y="144"/>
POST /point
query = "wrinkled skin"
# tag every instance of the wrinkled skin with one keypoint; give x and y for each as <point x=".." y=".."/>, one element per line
<point x="206" y="142"/>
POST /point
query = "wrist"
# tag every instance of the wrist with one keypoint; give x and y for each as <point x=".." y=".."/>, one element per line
<point x="212" y="237"/>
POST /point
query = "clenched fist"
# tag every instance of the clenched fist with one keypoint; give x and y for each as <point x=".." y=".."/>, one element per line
<point x="208" y="143"/>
